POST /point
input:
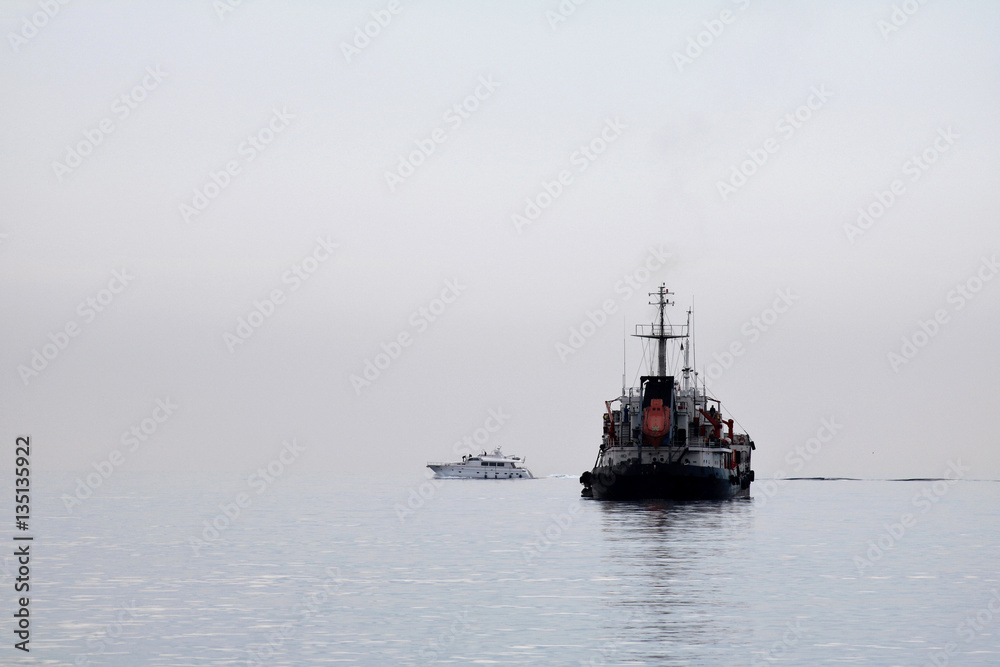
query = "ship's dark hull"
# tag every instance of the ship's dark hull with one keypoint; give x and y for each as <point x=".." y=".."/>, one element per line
<point x="664" y="481"/>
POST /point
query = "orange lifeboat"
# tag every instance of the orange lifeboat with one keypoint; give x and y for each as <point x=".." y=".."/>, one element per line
<point x="655" y="422"/>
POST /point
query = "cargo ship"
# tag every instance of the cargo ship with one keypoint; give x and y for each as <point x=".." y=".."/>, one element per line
<point x="667" y="438"/>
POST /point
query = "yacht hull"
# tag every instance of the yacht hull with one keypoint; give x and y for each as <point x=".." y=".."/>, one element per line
<point x="459" y="471"/>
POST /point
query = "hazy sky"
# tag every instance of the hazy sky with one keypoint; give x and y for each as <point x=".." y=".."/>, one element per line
<point x="169" y="169"/>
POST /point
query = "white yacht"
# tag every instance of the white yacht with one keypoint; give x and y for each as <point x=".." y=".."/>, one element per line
<point x="484" y="466"/>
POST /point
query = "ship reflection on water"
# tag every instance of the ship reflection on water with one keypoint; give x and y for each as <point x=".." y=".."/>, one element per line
<point x="672" y="577"/>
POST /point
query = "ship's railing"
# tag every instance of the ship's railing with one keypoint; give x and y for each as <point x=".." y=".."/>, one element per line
<point x="654" y="330"/>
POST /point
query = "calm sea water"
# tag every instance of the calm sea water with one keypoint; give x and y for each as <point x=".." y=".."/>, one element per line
<point x="317" y="571"/>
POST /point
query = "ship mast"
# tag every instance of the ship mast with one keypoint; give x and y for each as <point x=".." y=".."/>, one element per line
<point x="660" y="294"/>
<point x="687" y="357"/>
<point x="662" y="332"/>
